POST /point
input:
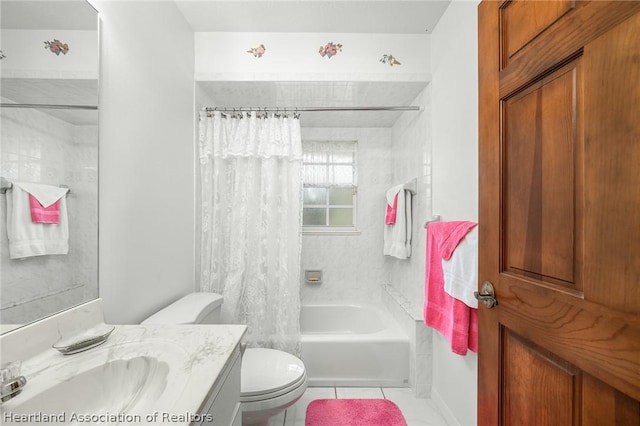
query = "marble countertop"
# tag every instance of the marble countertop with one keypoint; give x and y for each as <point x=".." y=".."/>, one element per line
<point x="188" y="358"/>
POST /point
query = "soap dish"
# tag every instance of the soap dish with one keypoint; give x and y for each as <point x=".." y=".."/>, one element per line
<point x="86" y="340"/>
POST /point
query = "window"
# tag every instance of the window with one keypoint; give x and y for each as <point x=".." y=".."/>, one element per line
<point x="329" y="185"/>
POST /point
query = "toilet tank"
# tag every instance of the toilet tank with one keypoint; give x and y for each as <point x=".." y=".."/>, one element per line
<point x="194" y="308"/>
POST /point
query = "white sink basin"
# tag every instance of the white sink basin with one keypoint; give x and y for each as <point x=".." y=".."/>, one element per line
<point x="131" y="378"/>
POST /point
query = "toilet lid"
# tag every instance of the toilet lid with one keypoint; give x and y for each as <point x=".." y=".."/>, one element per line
<point x="266" y="371"/>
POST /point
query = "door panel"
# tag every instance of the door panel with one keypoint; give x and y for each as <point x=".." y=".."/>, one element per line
<point x="591" y="337"/>
<point x="612" y="168"/>
<point x="559" y="213"/>
<point x="522" y="21"/>
<point x="539" y="143"/>
<point x="537" y="387"/>
<point x="559" y="42"/>
<point x="603" y="402"/>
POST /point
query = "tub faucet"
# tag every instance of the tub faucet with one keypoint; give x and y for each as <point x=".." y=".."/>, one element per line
<point x="11" y="382"/>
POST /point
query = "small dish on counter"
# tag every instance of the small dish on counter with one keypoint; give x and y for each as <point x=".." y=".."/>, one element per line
<point x="86" y="340"/>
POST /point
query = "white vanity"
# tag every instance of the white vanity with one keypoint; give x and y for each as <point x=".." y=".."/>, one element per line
<point x="142" y="374"/>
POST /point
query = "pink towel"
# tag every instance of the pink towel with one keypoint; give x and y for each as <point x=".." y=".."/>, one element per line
<point x="390" y="218"/>
<point x="457" y="322"/>
<point x="40" y="214"/>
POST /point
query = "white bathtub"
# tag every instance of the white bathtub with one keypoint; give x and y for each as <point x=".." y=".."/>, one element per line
<point x="353" y="345"/>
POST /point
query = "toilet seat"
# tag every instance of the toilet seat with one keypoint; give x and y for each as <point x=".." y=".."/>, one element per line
<point x="269" y="373"/>
<point x="273" y="395"/>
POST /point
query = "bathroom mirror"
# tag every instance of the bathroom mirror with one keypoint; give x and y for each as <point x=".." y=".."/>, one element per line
<point x="49" y="62"/>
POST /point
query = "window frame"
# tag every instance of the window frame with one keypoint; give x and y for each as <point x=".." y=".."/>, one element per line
<point x="326" y="205"/>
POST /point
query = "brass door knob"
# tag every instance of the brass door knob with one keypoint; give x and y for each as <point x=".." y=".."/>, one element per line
<point x="486" y="295"/>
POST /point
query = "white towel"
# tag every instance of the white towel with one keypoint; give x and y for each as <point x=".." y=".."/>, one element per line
<point x="461" y="271"/>
<point x="27" y="238"/>
<point x="391" y="193"/>
<point x="397" y="237"/>
<point x="45" y="194"/>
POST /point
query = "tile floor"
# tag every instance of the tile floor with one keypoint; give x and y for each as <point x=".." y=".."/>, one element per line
<point x="417" y="412"/>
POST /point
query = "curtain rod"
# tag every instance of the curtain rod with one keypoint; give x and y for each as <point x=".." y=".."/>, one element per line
<point x="314" y="109"/>
<point x="46" y="106"/>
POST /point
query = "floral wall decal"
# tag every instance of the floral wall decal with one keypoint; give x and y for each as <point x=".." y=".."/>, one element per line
<point x="57" y="47"/>
<point x="257" y="52"/>
<point x="389" y="59"/>
<point x="330" y="49"/>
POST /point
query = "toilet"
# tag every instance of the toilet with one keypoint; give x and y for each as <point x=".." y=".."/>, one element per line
<point x="271" y="380"/>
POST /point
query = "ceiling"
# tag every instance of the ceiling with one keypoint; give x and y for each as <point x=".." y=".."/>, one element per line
<point x="328" y="16"/>
<point x="47" y="15"/>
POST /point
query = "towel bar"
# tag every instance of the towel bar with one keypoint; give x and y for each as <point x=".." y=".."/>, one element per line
<point x="411" y="186"/>
<point x="434" y="218"/>
<point x="5" y="185"/>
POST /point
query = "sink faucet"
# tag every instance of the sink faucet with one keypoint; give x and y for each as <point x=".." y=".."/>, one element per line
<point x="11" y="382"/>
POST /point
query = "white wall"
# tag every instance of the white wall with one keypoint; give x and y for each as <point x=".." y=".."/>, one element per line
<point x="146" y="158"/>
<point x="455" y="174"/>
<point x="455" y="112"/>
<point x="295" y="57"/>
<point x="26" y="56"/>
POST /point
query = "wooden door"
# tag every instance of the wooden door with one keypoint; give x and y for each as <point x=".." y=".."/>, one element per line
<point x="559" y="212"/>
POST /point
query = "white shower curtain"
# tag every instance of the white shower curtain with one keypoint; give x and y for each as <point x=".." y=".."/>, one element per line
<point x="251" y="223"/>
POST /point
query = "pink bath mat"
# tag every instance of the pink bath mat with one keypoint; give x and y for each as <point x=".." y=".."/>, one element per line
<point x="353" y="412"/>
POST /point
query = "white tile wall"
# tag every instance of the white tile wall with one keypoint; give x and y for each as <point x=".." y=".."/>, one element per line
<point x="40" y="148"/>
<point x="420" y="340"/>
<point x="411" y="158"/>
<point x="353" y="265"/>
<point x="404" y="292"/>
